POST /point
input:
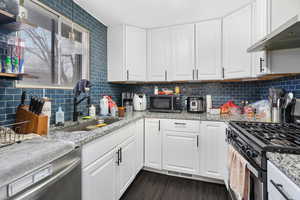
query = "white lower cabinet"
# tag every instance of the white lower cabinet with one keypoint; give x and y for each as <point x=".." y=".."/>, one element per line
<point x="99" y="178"/>
<point x="140" y="144"/>
<point x="126" y="169"/>
<point x="180" y="145"/>
<point x="180" y="152"/>
<point x="153" y="144"/>
<point x="213" y="152"/>
<point x="280" y="187"/>
<point x="110" y="163"/>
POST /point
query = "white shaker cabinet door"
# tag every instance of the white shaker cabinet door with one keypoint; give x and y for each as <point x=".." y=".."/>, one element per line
<point x="183" y="52"/>
<point x="180" y="152"/>
<point x="139" y="128"/>
<point x="159" y="52"/>
<point x="213" y="152"/>
<point x="126" y="170"/>
<point x="237" y="38"/>
<point x="208" y="50"/>
<point x="153" y="144"/>
<point x="99" y="178"/>
<point x="136" y="53"/>
<point x="127" y="53"/>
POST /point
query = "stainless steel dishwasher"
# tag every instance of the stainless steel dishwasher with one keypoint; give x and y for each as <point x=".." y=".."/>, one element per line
<point x="59" y="180"/>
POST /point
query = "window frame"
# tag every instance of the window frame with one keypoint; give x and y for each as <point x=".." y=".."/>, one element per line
<point x="86" y="45"/>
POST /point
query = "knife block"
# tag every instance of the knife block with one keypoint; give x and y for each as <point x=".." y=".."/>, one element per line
<point x="36" y="123"/>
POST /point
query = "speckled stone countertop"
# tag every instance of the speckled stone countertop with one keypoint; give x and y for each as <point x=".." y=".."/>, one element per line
<point x="83" y="137"/>
<point x="20" y="159"/>
<point x="289" y="164"/>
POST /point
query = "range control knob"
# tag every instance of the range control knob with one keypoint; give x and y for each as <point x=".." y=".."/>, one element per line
<point x="251" y="154"/>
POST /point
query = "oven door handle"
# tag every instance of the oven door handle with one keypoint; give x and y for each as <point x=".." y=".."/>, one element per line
<point x="253" y="170"/>
<point x="44" y="184"/>
<point x="280" y="189"/>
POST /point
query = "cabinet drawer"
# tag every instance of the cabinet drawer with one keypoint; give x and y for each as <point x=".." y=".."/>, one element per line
<point x="181" y="125"/>
<point x="279" y="185"/>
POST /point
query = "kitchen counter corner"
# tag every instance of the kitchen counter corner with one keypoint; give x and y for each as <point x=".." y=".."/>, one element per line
<point x="20" y="159"/>
<point x="289" y="164"/>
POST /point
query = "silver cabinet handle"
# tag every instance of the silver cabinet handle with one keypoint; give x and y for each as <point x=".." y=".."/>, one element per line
<point x="193" y="74"/>
<point x="261" y="60"/>
<point x="280" y="189"/>
<point x="177" y="123"/>
<point x="43" y="185"/>
<point x="118" y="157"/>
<point x="127" y="75"/>
<point x="166" y="76"/>
<point x="121" y="156"/>
<point x="223" y="72"/>
<point x="158" y="125"/>
<point x="197" y="73"/>
<point x="197" y="141"/>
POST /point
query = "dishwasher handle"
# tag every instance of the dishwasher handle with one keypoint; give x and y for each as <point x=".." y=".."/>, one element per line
<point x="48" y="182"/>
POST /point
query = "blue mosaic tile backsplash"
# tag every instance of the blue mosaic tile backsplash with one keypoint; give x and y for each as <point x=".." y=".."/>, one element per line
<point x="223" y="92"/>
<point x="10" y="96"/>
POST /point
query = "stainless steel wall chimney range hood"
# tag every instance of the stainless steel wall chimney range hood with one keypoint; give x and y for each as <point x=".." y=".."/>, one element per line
<point x="287" y="36"/>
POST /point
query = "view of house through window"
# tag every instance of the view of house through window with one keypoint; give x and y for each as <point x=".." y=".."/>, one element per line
<point x="51" y="55"/>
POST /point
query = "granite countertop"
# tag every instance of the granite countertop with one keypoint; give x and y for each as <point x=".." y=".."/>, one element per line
<point x="20" y="159"/>
<point x="289" y="164"/>
<point x="83" y="137"/>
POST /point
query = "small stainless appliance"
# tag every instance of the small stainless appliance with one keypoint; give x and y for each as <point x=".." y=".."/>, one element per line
<point x="195" y="104"/>
<point x="296" y="111"/>
<point x="166" y="103"/>
<point x="140" y="102"/>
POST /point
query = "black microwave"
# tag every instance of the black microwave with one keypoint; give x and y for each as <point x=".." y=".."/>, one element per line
<point x="166" y="103"/>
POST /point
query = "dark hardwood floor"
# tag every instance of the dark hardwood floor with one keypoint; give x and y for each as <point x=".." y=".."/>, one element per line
<point x="153" y="186"/>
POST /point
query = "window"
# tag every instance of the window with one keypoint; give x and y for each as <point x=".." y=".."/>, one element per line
<point x="50" y="55"/>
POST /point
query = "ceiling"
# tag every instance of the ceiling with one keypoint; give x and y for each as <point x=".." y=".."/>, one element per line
<point x="157" y="13"/>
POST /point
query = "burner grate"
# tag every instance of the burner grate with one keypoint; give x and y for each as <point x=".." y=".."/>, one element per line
<point x="284" y="135"/>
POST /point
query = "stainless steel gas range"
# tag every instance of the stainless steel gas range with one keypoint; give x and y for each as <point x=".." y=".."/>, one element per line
<point x="253" y="140"/>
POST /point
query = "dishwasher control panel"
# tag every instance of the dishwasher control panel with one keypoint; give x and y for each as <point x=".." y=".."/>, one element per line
<point x="29" y="180"/>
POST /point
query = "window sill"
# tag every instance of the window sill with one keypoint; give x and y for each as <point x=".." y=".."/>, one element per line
<point x="43" y="87"/>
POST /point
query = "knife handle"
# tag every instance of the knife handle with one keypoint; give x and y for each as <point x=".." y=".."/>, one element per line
<point x="31" y="104"/>
<point x="23" y="98"/>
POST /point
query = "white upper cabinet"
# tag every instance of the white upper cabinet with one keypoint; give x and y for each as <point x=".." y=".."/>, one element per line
<point x="282" y="11"/>
<point x="237" y="38"/>
<point x="126" y="53"/>
<point x="260" y="17"/>
<point x="259" y="31"/>
<point x="183" y="52"/>
<point x="208" y="50"/>
<point x="159" y="54"/>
